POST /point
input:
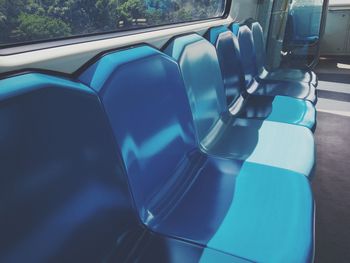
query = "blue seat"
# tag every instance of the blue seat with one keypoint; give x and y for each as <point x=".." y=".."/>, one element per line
<point x="64" y="196"/>
<point x="64" y="193"/>
<point x="245" y="105"/>
<point x="220" y="133"/>
<point x="289" y="74"/>
<point x="298" y="33"/>
<point x="260" y="85"/>
<point x="215" y="205"/>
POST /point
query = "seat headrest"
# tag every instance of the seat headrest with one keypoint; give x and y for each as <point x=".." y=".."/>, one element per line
<point x="214" y="32"/>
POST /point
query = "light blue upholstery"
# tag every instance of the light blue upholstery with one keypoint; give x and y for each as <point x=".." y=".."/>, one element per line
<point x="207" y="101"/>
<point x="290" y="74"/>
<point x="64" y="196"/>
<point x="268" y="86"/>
<point x="275" y="108"/>
<point x="181" y="191"/>
<point x="153" y="132"/>
<point x="220" y="133"/>
<point x="119" y="165"/>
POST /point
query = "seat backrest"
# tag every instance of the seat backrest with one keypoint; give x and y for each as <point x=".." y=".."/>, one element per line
<point x="203" y="81"/>
<point x="213" y="33"/>
<point x="246" y="45"/>
<point x="146" y="103"/>
<point x="234" y="27"/>
<point x="289" y="32"/>
<point x="227" y="47"/>
<point x="64" y="197"/>
<point x="259" y="45"/>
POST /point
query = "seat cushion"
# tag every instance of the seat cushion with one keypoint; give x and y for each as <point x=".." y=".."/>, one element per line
<point x="296" y="90"/>
<point x="280" y="109"/>
<point x="260" y="225"/>
<point x="270" y="143"/>
<point x="256" y="212"/>
<point x="290" y="74"/>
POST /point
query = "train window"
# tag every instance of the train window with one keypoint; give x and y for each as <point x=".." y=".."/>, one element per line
<point x="339" y="2"/>
<point x="24" y="21"/>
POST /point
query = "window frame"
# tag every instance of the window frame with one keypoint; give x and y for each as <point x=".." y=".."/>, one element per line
<point x="17" y="48"/>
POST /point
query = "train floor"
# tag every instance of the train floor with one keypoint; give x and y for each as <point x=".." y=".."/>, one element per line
<point x="331" y="184"/>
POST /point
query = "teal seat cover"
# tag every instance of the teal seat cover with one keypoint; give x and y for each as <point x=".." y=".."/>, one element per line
<point x="275" y="108"/>
<point x="265" y="142"/>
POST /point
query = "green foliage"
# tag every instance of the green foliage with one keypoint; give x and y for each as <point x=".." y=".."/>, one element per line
<point x="27" y="20"/>
<point x="129" y="11"/>
<point x="33" y="27"/>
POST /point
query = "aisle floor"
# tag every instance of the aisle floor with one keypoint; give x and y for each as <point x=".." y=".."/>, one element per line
<point x="331" y="184"/>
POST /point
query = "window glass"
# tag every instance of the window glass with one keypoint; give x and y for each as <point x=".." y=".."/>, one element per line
<point x="302" y="32"/>
<point x="339" y="2"/>
<point x="33" y="20"/>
